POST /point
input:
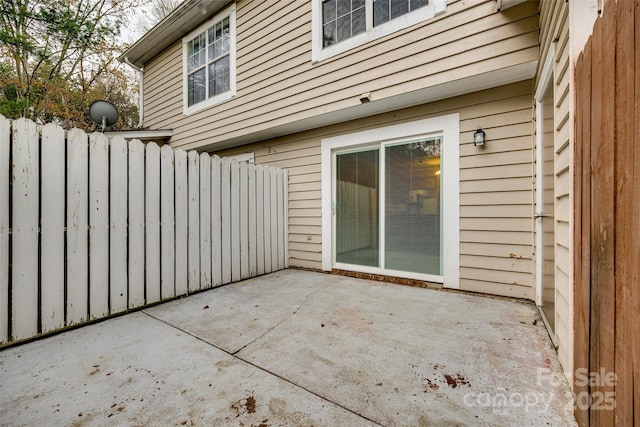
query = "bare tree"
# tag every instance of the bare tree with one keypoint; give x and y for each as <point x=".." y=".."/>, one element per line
<point x="156" y="12"/>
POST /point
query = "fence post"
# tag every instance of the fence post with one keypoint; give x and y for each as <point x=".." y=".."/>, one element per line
<point x="5" y="174"/>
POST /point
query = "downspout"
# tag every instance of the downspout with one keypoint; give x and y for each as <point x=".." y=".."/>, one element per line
<point x="140" y="71"/>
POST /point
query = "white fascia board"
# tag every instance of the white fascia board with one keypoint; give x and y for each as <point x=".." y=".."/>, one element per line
<point x="141" y="134"/>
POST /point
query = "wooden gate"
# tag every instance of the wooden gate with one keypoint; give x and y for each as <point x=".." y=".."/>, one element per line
<point x="606" y="379"/>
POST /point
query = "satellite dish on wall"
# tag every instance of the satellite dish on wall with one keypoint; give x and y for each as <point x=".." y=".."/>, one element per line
<point x="103" y="113"/>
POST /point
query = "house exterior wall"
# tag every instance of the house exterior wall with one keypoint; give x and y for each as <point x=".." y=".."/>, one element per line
<point x="496" y="192"/>
<point x="554" y="39"/>
<point x="278" y="84"/>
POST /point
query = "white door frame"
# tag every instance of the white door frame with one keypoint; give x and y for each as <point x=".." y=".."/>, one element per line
<point x="545" y="80"/>
<point x="449" y="127"/>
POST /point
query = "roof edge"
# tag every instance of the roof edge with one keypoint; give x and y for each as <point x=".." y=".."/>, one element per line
<point x="142" y="134"/>
<point x="173" y="27"/>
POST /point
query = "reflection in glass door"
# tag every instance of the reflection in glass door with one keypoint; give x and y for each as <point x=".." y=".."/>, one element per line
<point x="412" y="207"/>
<point x="397" y="225"/>
<point x="357" y="207"/>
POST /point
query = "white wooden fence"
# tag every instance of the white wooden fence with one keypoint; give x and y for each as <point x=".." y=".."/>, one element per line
<point x="91" y="227"/>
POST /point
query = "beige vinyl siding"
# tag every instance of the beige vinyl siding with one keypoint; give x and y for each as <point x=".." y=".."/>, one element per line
<point x="162" y="90"/>
<point x="278" y="84"/>
<point x="495" y="185"/>
<point x="496" y="197"/>
<point x="554" y="29"/>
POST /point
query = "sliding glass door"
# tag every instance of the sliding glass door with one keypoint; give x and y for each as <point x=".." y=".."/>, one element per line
<point x="388" y="207"/>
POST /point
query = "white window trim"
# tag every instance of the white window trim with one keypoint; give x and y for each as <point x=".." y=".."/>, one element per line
<point x="318" y="53"/>
<point x="449" y="127"/>
<point x="230" y="12"/>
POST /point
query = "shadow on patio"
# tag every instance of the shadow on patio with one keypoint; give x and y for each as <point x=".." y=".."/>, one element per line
<point x="296" y="348"/>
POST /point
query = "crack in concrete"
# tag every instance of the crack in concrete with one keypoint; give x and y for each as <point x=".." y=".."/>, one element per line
<point x="280" y="377"/>
<point x="278" y="323"/>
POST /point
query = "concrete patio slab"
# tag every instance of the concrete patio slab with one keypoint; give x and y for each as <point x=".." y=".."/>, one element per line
<point x="296" y="348"/>
<point x="134" y="370"/>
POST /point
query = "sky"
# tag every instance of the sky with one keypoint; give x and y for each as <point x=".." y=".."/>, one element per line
<point x="130" y="31"/>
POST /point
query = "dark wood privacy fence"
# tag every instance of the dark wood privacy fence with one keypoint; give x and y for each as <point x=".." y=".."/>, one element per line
<point x="607" y="220"/>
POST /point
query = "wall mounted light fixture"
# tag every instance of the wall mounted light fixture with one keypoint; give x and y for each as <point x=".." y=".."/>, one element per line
<point x="478" y="138"/>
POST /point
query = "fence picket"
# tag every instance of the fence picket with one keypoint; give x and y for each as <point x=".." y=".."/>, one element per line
<point x="251" y="191"/>
<point x="152" y="222"/>
<point x="136" y="224"/>
<point x="266" y="203"/>
<point x="193" y="170"/>
<point x="216" y="222"/>
<point x="235" y="221"/>
<point x="118" y="292"/>
<point x="52" y="228"/>
<point x="280" y="218"/>
<point x="5" y="175"/>
<point x="274" y="219"/>
<point x="225" y="206"/>
<point x="285" y="213"/>
<point x="77" y="226"/>
<point x="25" y="229"/>
<point x="98" y="226"/>
<point x="205" y="221"/>
<point x="182" y="215"/>
<point x="244" y="221"/>
<point x="167" y="220"/>
<point x="260" y="219"/>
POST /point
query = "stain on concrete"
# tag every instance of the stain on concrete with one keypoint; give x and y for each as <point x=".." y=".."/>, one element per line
<point x="352" y="318"/>
<point x="454" y="381"/>
<point x="244" y="406"/>
<point x="431" y="384"/>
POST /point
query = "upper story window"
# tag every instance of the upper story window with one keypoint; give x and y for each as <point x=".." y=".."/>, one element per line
<point x="386" y="10"/>
<point x="209" y="62"/>
<point x="342" y="19"/>
<point x="340" y="25"/>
